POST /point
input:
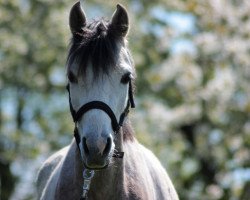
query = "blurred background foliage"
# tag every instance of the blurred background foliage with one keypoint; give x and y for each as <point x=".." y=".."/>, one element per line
<point x="193" y="96"/>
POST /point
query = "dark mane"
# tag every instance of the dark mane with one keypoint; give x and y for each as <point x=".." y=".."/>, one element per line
<point x="96" y="45"/>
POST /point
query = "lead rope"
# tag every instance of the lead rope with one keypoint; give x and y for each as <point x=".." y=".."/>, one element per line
<point x="87" y="176"/>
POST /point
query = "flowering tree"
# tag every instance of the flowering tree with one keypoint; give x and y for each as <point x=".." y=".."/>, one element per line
<point x="193" y="99"/>
<point x="199" y="79"/>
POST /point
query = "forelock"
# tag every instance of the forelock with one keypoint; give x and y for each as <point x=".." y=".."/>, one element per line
<point x="96" y="44"/>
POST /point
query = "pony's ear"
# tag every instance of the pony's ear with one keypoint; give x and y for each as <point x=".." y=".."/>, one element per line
<point x="120" y="22"/>
<point x="77" y="19"/>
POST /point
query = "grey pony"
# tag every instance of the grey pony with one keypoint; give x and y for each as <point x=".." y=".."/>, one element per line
<point x="138" y="176"/>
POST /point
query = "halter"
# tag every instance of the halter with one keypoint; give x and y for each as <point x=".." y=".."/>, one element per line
<point x="76" y="115"/>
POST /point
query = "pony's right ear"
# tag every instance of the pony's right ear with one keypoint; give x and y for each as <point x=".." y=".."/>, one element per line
<point x="77" y="19"/>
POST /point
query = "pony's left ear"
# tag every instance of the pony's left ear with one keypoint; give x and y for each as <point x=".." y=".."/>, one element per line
<point x="120" y="22"/>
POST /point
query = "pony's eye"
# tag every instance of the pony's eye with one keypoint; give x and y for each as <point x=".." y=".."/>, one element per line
<point x="72" y="77"/>
<point x="126" y="78"/>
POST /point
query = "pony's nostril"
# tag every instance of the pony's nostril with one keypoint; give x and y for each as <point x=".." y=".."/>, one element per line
<point x="85" y="147"/>
<point x="108" y="147"/>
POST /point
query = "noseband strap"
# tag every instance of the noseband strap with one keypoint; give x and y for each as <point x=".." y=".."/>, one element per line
<point x="97" y="105"/>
